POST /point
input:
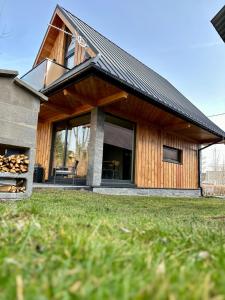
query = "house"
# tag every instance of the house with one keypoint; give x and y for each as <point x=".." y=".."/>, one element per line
<point x="214" y="177"/>
<point x="111" y="122"/>
<point x="219" y="23"/>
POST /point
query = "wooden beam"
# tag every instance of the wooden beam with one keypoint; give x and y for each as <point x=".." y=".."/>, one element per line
<point x="58" y="108"/>
<point x="82" y="109"/>
<point x="112" y="98"/>
<point x="77" y="97"/>
<point x="78" y="111"/>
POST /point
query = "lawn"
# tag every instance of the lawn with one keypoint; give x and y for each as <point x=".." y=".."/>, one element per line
<point x="79" y="245"/>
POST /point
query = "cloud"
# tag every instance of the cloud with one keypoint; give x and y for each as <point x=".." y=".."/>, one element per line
<point x="192" y="47"/>
<point x="205" y="45"/>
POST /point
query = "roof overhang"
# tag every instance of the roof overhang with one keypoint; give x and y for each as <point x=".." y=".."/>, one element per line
<point x="90" y="68"/>
<point x="219" y="23"/>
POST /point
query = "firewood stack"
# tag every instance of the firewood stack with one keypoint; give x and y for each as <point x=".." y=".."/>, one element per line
<point x="14" y="163"/>
<point x="12" y="189"/>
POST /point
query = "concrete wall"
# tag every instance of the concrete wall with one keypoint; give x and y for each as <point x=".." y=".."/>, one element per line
<point x="19" y="114"/>
<point x="18" y="125"/>
<point x="148" y="192"/>
<point x="95" y="149"/>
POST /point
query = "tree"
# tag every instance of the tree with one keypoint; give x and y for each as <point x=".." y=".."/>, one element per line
<point x="215" y="160"/>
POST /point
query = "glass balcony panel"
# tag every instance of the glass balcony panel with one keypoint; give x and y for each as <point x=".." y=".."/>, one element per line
<point x="44" y="74"/>
<point x="54" y="71"/>
<point x="36" y="76"/>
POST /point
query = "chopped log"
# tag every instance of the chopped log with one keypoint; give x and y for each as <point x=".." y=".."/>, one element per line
<point x="14" y="163"/>
<point x="12" y="189"/>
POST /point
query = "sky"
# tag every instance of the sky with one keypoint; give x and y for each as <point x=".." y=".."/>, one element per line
<point x="175" y="38"/>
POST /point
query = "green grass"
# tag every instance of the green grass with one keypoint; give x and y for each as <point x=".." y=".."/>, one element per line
<point x="79" y="245"/>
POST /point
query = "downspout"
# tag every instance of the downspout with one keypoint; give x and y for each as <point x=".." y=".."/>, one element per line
<point x="199" y="161"/>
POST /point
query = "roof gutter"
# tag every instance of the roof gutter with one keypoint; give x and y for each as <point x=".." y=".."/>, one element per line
<point x="81" y="73"/>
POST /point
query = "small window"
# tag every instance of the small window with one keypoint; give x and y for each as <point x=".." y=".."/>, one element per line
<point x="172" y="155"/>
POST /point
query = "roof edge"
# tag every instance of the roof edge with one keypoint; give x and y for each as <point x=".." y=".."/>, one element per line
<point x="8" y="73"/>
<point x="84" y="69"/>
<point x="147" y="97"/>
<point x="63" y="10"/>
<point x="26" y="86"/>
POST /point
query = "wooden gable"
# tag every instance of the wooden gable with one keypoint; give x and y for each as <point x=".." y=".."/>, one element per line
<point x="53" y="45"/>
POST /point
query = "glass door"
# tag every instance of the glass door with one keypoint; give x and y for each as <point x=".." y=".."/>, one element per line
<point x="70" y="148"/>
<point x="118" y="150"/>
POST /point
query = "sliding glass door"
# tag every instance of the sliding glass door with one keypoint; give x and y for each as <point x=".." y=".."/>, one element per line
<point x="118" y="149"/>
<point x="70" y="146"/>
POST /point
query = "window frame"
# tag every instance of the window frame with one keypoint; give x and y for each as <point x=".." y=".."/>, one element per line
<point x="70" y="53"/>
<point x="180" y="155"/>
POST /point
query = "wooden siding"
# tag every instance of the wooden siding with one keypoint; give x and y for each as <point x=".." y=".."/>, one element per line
<point x="53" y="45"/>
<point x="43" y="145"/>
<point x="57" y="51"/>
<point x="150" y="169"/>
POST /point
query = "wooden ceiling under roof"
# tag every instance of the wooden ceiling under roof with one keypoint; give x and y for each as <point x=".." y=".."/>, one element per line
<point x="83" y="96"/>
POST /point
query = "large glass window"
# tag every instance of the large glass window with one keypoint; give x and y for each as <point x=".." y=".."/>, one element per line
<point x="77" y="148"/>
<point x="59" y="149"/>
<point x="70" y="149"/>
<point x="118" y="149"/>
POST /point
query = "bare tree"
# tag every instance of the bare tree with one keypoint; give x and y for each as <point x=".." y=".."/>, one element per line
<point x="215" y="160"/>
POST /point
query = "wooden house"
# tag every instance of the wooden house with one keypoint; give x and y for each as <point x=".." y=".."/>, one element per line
<point x="111" y="121"/>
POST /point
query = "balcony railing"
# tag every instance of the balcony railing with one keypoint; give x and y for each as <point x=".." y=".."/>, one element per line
<point x="44" y="74"/>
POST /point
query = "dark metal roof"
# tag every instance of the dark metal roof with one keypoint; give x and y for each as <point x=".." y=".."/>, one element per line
<point x="122" y="66"/>
<point x="219" y="23"/>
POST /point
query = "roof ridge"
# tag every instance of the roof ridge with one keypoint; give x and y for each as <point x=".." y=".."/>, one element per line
<point x="132" y="56"/>
<point x="146" y="66"/>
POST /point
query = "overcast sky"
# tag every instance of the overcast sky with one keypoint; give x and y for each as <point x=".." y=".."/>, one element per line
<point x="174" y="37"/>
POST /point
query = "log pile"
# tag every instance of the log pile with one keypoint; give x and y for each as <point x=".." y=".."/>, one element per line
<point x="13" y="188"/>
<point x="14" y="163"/>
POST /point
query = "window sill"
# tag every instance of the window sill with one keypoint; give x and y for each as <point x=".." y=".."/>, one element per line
<point x="172" y="161"/>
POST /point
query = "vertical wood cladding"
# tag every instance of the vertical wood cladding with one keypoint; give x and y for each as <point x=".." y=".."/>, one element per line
<point x="152" y="171"/>
<point x="57" y="51"/>
<point x="43" y="145"/>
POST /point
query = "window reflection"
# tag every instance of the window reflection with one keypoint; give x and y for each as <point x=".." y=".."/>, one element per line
<point x="70" y="150"/>
<point x="77" y="148"/>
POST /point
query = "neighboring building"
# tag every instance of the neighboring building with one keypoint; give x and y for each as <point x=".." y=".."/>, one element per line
<point x="219" y="23"/>
<point x="110" y="120"/>
<point x="214" y="177"/>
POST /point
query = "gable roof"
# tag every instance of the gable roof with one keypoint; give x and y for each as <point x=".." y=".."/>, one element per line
<point x="120" y="65"/>
<point x="219" y="23"/>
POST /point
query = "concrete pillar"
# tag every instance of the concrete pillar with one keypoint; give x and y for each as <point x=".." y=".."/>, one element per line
<point x="95" y="151"/>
